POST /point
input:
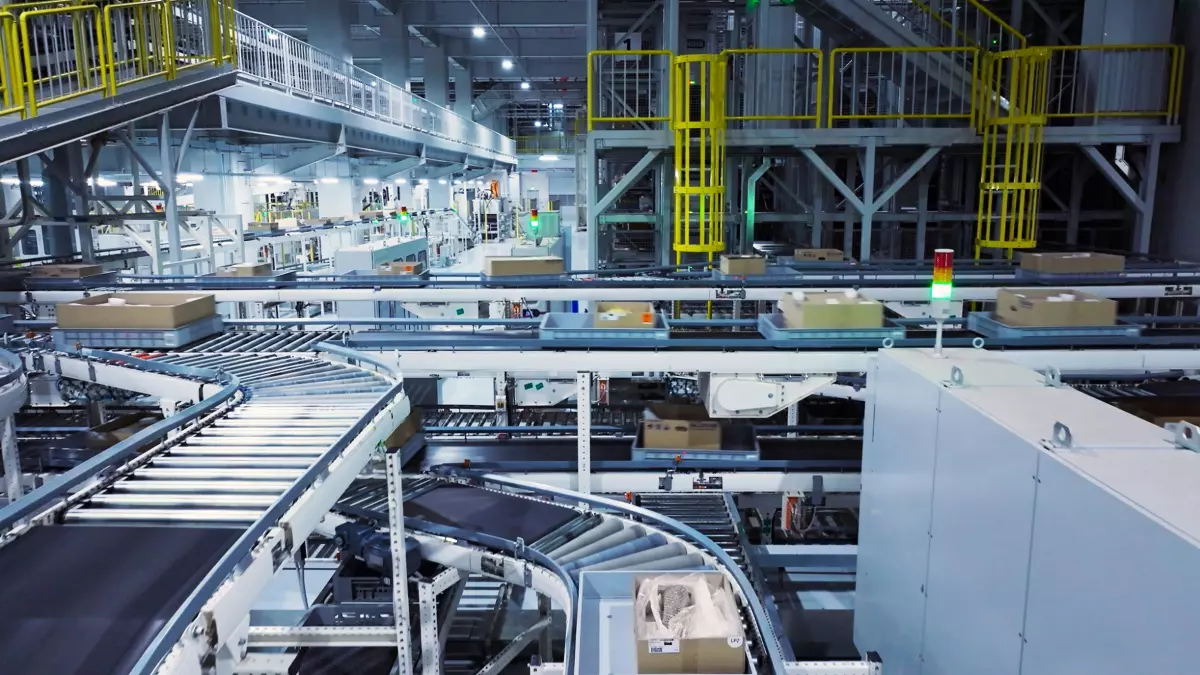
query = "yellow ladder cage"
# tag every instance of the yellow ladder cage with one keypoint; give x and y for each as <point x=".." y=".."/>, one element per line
<point x="698" y="120"/>
<point x="1011" y="116"/>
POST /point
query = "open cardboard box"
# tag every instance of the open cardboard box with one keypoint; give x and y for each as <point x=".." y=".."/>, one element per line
<point x="400" y="268"/>
<point x="245" y="270"/>
<point x="724" y="655"/>
<point x="142" y="311"/>
<point x="623" y="315"/>
<point x="65" y="271"/>
<point x="681" y="427"/>
<point x="1072" y="263"/>
<point x="1053" y="307"/>
<point x="830" y="311"/>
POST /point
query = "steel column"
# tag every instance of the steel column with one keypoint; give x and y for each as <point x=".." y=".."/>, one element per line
<point x="1080" y="173"/>
<point x="747" y="242"/>
<point x="399" y="563"/>
<point x="12" y="460"/>
<point x="431" y="652"/>
<point x="922" y="210"/>
<point x="583" y="418"/>
<point x="167" y="182"/>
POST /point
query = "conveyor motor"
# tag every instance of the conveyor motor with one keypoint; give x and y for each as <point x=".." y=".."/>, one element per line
<point x="373" y="547"/>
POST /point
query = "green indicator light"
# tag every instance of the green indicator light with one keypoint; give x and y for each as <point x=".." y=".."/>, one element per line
<point x="941" y="291"/>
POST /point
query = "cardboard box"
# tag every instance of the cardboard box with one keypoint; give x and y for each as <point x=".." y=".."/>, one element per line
<point x="400" y="268"/>
<point x="152" y="311"/>
<point x="263" y="227"/>
<point x="1053" y="307"/>
<point x="410" y="427"/>
<point x="246" y="270"/>
<point x="65" y="271"/>
<point x="743" y="265"/>
<point x="830" y="311"/>
<point x="683" y="427"/>
<point x="623" y="315"/>
<point x="1160" y="411"/>
<point x="505" y="266"/>
<point x="818" y="254"/>
<point x="718" y="655"/>
<point x="288" y="223"/>
<point x="1072" y="263"/>
<point x="368" y="215"/>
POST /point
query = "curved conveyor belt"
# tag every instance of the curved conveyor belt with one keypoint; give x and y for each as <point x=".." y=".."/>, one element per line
<point x="112" y="581"/>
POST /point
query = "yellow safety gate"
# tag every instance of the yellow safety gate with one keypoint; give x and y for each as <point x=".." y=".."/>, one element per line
<point x="1012" y="116"/>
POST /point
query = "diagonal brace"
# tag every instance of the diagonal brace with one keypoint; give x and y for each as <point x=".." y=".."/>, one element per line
<point x="1115" y="178"/>
<point x="634" y="175"/>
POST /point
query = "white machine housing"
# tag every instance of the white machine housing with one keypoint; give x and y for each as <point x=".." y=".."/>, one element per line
<point x="748" y="395"/>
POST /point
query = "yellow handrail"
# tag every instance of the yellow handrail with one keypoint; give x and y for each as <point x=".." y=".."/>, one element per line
<point x="164" y="51"/>
<point x="80" y="71"/>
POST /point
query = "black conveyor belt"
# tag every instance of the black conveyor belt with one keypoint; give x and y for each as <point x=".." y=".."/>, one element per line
<point x="494" y="513"/>
<point x="566" y="450"/>
<point x="80" y="600"/>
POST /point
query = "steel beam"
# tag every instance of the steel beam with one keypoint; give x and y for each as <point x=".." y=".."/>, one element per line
<point x="1115" y="178"/>
<point x="300" y="160"/>
<point x="627" y="181"/>
<point x="747" y="242"/>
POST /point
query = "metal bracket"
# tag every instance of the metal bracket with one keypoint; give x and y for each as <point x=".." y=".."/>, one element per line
<point x="1061" y="437"/>
<point x="1187" y="435"/>
<point x="1053" y="377"/>
<point x="91" y="371"/>
<point x="957" y="379"/>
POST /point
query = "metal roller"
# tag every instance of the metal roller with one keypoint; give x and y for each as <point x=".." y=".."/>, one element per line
<point x="240" y="516"/>
<point x="211" y="486"/>
<point x="691" y="561"/>
<point x="615" y="539"/>
<point x="219" y="462"/>
<point x="629" y="561"/>
<point x="603" y="530"/>
<point x="156" y="473"/>
<point x="217" y="440"/>
<point x="169" y="500"/>
<point x="656" y="540"/>
<point x="189" y="451"/>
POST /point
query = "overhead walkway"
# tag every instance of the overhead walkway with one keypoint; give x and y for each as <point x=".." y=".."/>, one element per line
<point x="127" y="61"/>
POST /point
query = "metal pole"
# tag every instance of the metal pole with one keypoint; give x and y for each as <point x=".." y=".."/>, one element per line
<point x="399" y="566"/>
<point x="431" y="653"/>
<point x="868" y="177"/>
<point x="12" y="460"/>
<point x="170" y="209"/>
<point x="583" y="421"/>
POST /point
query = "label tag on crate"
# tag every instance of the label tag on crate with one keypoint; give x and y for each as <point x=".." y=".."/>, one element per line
<point x="663" y="646"/>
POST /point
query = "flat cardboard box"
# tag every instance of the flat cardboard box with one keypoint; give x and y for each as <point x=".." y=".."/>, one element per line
<point x="818" y="254"/>
<point x="1053" y="307"/>
<point x="246" y="270"/>
<point x="623" y="315"/>
<point x="681" y="427"/>
<point x="368" y="215"/>
<point x="150" y="311"/>
<point x="506" y="266"/>
<point x="65" y="271"/>
<point x="288" y="223"/>
<point x="681" y="656"/>
<point x="400" y="268"/>
<point x="830" y="311"/>
<point x="1072" y="263"/>
<point x="743" y="265"/>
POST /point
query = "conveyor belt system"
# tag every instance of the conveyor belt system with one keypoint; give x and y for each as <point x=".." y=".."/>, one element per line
<point x="230" y="473"/>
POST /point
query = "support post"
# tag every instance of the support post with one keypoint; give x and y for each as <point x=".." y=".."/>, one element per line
<point x="1080" y="173"/>
<point x="868" y="214"/>
<point x="751" y="194"/>
<point x="922" y="210"/>
<point x="399" y="565"/>
<point x="583" y="422"/>
<point x="627" y="181"/>
<point x="1149" y="191"/>
<point x="12" y="460"/>
<point x="167" y="182"/>
<point x="431" y="646"/>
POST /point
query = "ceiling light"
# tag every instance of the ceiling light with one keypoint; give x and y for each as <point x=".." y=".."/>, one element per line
<point x="549" y="158"/>
<point x="148" y="184"/>
<point x="478" y="31"/>
<point x="458" y="182"/>
<point x="441" y="181"/>
<point x="557" y="106"/>
<point x="188" y="178"/>
<point x="104" y="182"/>
<point x="537" y="123"/>
<point x="506" y="64"/>
<point x="37" y="182"/>
<point x="401" y="181"/>
<point x="524" y="85"/>
<point x="9" y="180"/>
<point x="370" y="181"/>
<point x="424" y="181"/>
<point x="329" y="181"/>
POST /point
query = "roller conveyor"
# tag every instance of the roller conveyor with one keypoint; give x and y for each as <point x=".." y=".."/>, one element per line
<point x="258" y="447"/>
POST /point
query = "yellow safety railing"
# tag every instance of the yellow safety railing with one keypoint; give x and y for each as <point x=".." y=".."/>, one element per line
<point x="902" y="83"/>
<point x="698" y="101"/>
<point x="628" y="86"/>
<point x="1102" y="81"/>
<point x="1012" y="125"/>
<point x="58" y="50"/>
<point x="774" y="85"/>
<point x="140" y="42"/>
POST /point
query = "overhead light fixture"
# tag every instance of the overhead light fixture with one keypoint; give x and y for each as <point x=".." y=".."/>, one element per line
<point x="478" y="31"/>
<point x="9" y="180"/>
<point x="458" y="182"/>
<point x="148" y="184"/>
<point x="506" y="64"/>
<point x="537" y="123"/>
<point x="441" y="181"/>
<point x="188" y="178"/>
<point x="557" y="106"/>
<point x="370" y="181"/>
<point x="548" y="158"/>
<point x="104" y="182"/>
<point x="424" y="181"/>
<point x="401" y="181"/>
<point x="329" y="180"/>
<point x="524" y="85"/>
<point x="37" y="182"/>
